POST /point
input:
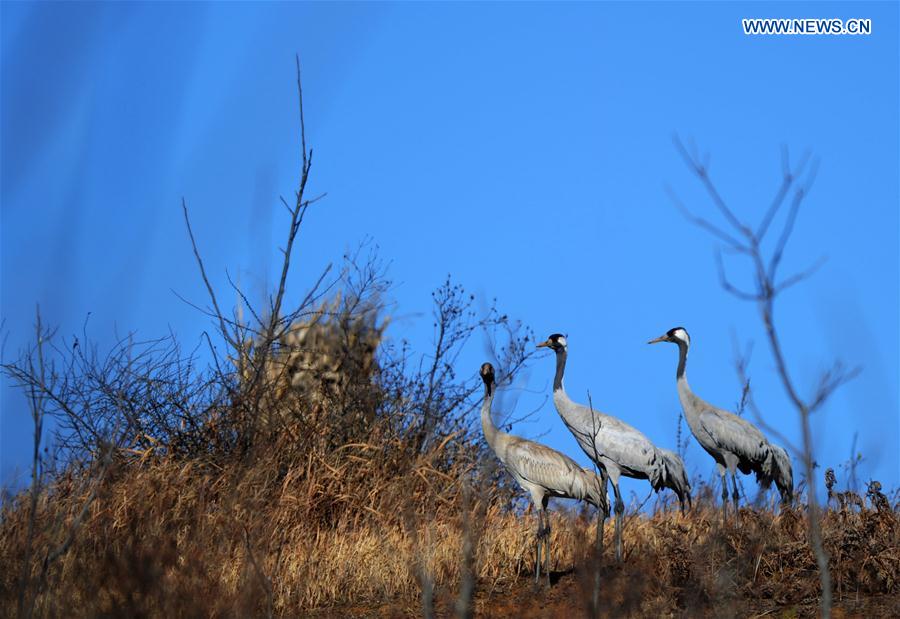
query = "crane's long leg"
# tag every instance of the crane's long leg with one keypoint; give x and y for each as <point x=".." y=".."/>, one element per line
<point x="685" y="499"/>
<point x="537" y="562"/>
<point x="734" y="495"/>
<point x="547" y="549"/>
<point x="620" y="509"/>
<point x="724" y="492"/>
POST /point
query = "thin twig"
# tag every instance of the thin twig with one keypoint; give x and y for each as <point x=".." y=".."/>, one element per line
<point x="767" y="289"/>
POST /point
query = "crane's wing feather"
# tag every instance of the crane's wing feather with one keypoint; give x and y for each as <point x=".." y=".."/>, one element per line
<point x="611" y="438"/>
<point x="735" y="435"/>
<point x="556" y="472"/>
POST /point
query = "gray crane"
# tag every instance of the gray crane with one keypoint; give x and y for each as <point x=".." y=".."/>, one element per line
<point x="542" y="472"/>
<point x="615" y="446"/>
<point x="734" y="442"/>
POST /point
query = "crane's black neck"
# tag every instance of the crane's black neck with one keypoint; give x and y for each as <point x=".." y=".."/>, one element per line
<point x="682" y="359"/>
<point x="487" y="423"/>
<point x="560" y="368"/>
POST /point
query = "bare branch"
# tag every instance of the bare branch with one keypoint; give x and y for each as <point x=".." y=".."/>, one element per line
<point x="782" y="192"/>
<point x="799" y="277"/>
<point x="758" y="416"/>
<point x="209" y="288"/>
<point x="788" y="178"/>
<point x="799" y="194"/>
<point x="36" y="402"/>
<point x="701" y="170"/>
<point x="728" y="286"/>
<point x="224" y="319"/>
<point x="244" y="299"/>
<point x="302" y="123"/>
<point x="705" y="224"/>
<point x="767" y="290"/>
<point x="830" y="381"/>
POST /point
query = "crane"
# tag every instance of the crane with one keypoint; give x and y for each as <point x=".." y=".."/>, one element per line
<point x="732" y="441"/>
<point x="542" y="472"/>
<point x="613" y="445"/>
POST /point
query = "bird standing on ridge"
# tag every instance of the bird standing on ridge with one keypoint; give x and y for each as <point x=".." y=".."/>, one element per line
<point x="615" y="446"/>
<point x="732" y="441"/>
<point x="542" y="472"/>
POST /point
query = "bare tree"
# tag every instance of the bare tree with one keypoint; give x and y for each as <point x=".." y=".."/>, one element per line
<point x="37" y="377"/>
<point x="250" y="343"/>
<point x="745" y="240"/>
<point x="36" y="404"/>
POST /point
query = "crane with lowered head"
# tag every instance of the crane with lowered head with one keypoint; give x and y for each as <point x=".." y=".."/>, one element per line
<point x="542" y="472"/>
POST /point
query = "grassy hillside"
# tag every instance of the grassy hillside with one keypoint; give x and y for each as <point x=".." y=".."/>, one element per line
<point x="329" y="534"/>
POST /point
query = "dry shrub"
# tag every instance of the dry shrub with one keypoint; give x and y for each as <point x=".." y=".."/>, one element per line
<point x="169" y="538"/>
<point x="693" y="563"/>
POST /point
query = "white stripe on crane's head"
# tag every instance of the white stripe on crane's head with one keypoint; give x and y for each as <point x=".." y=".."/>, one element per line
<point x="679" y="333"/>
<point x="556" y="342"/>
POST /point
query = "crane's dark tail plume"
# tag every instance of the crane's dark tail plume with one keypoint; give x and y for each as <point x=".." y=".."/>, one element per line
<point x="777" y="468"/>
<point x="675" y="477"/>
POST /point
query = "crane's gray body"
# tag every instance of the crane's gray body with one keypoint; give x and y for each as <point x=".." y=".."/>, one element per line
<point x="723" y="435"/>
<point x="732" y="441"/>
<point x="539" y="470"/>
<point x="618" y="447"/>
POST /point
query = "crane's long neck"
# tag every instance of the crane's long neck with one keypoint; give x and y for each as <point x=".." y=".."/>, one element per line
<point x="487" y="423"/>
<point x="560" y="369"/>
<point x="682" y="361"/>
<point x="560" y="397"/>
<point x="685" y="395"/>
<point x="581" y="422"/>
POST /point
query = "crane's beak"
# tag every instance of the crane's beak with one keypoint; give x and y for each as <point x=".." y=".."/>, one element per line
<point x="544" y="344"/>
<point x="657" y="340"/>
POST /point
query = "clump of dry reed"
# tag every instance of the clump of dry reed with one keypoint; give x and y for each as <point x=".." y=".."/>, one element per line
<point x="167" y="537"/>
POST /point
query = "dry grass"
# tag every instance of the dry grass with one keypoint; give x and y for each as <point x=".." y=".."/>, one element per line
<point x="171" y="538"/>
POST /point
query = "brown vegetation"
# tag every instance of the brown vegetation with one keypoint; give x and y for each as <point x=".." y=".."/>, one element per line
<point x="344" y="532"/>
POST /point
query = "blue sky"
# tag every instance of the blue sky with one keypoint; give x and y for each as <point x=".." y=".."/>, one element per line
<point x="524" y="149"/>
